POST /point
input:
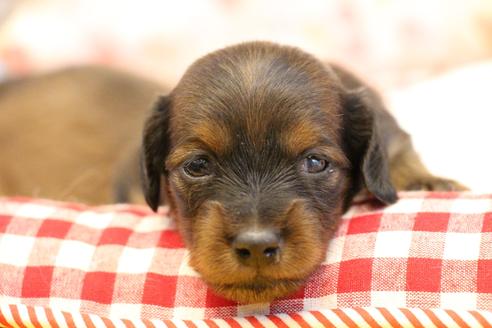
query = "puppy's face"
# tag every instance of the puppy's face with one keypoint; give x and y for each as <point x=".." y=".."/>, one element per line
<point x="251" y="146"/>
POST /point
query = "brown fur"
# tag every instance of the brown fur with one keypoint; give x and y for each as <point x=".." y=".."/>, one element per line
<point x="254" y="112"/>
<point x="213" y="136"/>
<point x="300" y="136"/>
<point x="65" y="135"/>
<point x="222" y="271"/>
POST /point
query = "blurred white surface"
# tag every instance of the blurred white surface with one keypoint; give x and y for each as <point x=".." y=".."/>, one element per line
<point x="450" y="120"/>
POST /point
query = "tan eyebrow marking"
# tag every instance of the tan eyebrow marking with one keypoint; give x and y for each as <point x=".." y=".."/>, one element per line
<point x="335" y="154"/>
<point x="179" y="154"/>
<point x="299" y="137"/>
<point x="214" y="136"/>
<point x="305" y="135"/>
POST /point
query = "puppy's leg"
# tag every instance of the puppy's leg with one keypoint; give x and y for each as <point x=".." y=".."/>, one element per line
<point x="409" y="173"/>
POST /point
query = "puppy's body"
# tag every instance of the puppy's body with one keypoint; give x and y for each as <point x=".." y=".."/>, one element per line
<point x="65" y="135"/>
<point x="261" y="148"/>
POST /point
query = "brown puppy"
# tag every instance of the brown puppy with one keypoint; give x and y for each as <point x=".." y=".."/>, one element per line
<point x="258" y="150"/>
<point x="66" y="135"/>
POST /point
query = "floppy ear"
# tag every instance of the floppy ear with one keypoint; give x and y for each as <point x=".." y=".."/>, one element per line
<point x="365" y="145"/>
<point x="155" y="148"/>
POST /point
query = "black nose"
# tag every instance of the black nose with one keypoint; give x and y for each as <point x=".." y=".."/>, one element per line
<point x="257" y="248"/>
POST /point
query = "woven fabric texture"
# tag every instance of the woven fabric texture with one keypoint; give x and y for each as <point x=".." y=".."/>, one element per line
<point x="429" y="250"/>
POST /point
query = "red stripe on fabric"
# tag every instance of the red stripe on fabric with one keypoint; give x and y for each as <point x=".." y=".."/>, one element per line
<point x="50" y="317"/>
<point x="484" y="322"/>
<point x="300" y="320"/>
<point x="15" y="314"/>
<point x="435" y="320"/>
<point x="255" y="322"/>
<point x="69" y="320"/>
<point x="107" y="322"/>
<point x="128" y="323"/>
<point x="169" y="324"/>
<point x="233" y="323"/>
<point x="411" y="317"/>
<point x="457" y="318"/>
<point x="443" y="195"/>
<point x="321" y="318"/>
<point x="148" y="323"/>
<point x="367" y="317"/>
<point x="4" y="321"/>
<point x="88" y="321"/>
<point x="389" y="317"/>
<point x="33" y="317"/>
<point x="345" y="318"/>
<point x="277" y="321"/>
<point x="189" y="324"/>
<point x="211" y="323"/>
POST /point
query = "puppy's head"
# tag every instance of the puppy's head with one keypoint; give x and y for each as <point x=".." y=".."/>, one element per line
<point x="258" y="150"/>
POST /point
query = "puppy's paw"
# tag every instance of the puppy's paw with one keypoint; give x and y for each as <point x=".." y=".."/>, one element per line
<point x="432" y="183"/>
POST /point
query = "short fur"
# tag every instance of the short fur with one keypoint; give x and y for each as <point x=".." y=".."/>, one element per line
<point x="256" y="110"/>
<point x="68" y="135"/>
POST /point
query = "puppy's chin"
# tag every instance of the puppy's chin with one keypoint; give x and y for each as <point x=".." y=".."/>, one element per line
<point x="213" y="257"/>
<point x="261" y="290"/>
<point x="251" y="285"/>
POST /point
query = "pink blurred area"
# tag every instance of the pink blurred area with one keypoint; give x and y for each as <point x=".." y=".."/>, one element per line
<point x="391" y="43"/>
<point x="432" y="59"/>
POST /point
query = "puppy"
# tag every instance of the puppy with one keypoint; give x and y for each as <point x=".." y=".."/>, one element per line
<point x="258" y="150"/>
<point x="67" y="135"/>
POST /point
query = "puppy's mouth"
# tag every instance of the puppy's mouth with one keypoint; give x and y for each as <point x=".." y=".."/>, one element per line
<point x="259" y="290"/>
<point x="256" y="265"/>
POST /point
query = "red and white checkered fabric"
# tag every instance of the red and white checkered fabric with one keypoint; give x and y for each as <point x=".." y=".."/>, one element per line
<point x="429" y="250"/>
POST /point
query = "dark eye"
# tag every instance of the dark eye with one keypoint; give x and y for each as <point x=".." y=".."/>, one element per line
<point x="199" y="167"/>
<point x="313" y="164"/>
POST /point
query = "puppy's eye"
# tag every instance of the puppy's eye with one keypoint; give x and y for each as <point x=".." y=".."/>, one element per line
<point x="199" y="167"/>
<point x="313" y="164"/>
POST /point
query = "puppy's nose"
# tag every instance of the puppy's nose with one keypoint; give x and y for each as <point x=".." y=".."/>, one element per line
<point x="257" y="248"/>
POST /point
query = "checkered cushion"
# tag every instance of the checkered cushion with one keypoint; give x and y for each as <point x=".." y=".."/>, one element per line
<point x="429" y="250"/>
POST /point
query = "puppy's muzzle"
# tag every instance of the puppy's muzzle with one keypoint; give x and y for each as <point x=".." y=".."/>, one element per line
<point x="257" y="248"/>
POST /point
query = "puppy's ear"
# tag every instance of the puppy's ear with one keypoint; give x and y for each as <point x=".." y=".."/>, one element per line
<point x="155" y="148"/>
<point x="365" y="146"/>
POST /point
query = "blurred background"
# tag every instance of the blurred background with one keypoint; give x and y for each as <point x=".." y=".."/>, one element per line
<point x="431" y="59"/>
